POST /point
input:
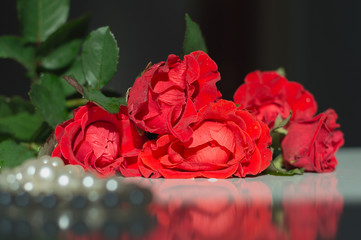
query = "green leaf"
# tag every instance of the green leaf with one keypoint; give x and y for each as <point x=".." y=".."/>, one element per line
<point x="99" y="57"/>
<point x="111" y="104"/>
<point x="276" y="168"/>
<point x="193" y="39"/>
<point x="48" y="97"/>
<point x="281" y="71"/>
<point x="13" y="154"/>
<point x="40" y="18"/>
<point x="21" y="126"/>
<point x="279" y="123"/>
<point x="62" y="56"/>
<point x="18" y="49"/>
<point x="75" y="29"/>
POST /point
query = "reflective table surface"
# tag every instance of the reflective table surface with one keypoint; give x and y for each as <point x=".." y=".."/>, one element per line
<point x="308" y="206"/>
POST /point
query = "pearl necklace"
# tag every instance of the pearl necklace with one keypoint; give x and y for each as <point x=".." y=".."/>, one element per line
<point x="49" y="175"/>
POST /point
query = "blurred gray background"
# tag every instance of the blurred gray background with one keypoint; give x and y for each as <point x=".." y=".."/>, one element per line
<point x="317" y="42"/>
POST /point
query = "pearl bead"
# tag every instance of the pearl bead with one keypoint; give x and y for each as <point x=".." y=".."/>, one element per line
<point x="56" y="162"/>
<point x="45" y="159"/>
<point x="74" y="170"/>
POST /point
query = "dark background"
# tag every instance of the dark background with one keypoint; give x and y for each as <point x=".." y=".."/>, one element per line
<point x="317" y="42"/>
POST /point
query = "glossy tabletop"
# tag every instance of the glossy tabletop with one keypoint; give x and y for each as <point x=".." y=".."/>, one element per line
<point x="308" y="206"/>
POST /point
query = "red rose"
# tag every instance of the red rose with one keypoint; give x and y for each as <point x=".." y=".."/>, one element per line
<point x="166" y="97"/>
<point x="99" y="141"/>
<point x="268" y="94"/>
<point x="225" y="142"/>
<point x="312" y="144"/>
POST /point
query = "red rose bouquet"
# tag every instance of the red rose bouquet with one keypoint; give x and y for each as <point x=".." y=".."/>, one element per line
<point x="172" y="123"/>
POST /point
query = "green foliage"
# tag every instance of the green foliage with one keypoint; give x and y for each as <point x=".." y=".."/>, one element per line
<point x="13" y="154"/>
<point x="99" y="57"/>
<point x="193" y="38"/>
<point x="62" y="56"/>
<point x="276" y="168"/>
<point x="18" y="119"/>
<point x="111" y="104"/>
<point x="75" y="29"/>
<point x="48" y="97"/>
<point x="18" y="49"/>
<point x="40" y="18"/>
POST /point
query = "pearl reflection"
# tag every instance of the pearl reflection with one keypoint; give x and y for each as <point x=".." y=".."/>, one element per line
<point x="64" y="222"/>
<point x="111" y="185"/>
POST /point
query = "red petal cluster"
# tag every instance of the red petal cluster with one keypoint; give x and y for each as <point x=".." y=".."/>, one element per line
<point x="99" y="141"/>
<point x="268" y="94"/>
<point x="311" y="142"/>
<point x="166" y="97"/>
<point x="226" y="142"/>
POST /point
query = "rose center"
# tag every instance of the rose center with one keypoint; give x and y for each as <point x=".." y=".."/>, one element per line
<point x="103" y="139"/>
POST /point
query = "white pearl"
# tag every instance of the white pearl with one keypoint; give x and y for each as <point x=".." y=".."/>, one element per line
<point x="28" y="170"/>
<point x="28" y="186"/>
<point x="46" y="173"/>
<point x="75" y="170"/>
<point x="45" y="159"/>
<point x="56" y="162"/>
<point x="10" y="178"/>
<point x="66" y="182"/>
<point x="63" y="180"/>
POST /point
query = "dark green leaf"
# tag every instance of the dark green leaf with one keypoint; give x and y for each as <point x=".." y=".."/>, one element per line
<point x="111" y="104"/>
<point x="62" y="56"/>
<point x="40" y="18"/>
<point x="276" y="168"/>
<point x="48" y="97"/>
<point x="16" y="104"/>
<point x="75" y="29"/>
<point x="12" y="154"/>
<point x="193" y="39"/>
<point x="17" y="119"/>
<point x="21" y="126"/>
<point x="99" y="57"/>
<point x="18" y="49"/>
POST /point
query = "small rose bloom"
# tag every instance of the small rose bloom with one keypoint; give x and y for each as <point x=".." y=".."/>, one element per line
<point x="98" y="141"/>
<point x="312" y="144"/>
<point x="225" y="142"/>
<point x="268" y="94"/>
<point x="166" y="97"/>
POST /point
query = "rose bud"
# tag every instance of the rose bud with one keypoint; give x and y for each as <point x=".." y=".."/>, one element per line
<point x="312" y="144"/>
<point x="268" y="94"/>
<point x="225" y="142"/>
<point x="166" y="97"/>
<point x="99" y="141"/>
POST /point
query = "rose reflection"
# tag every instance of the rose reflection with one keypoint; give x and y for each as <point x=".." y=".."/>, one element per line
<point x="244" y="209"/>
<point x="206" y="209"/>
<point x="313" y="207"/>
